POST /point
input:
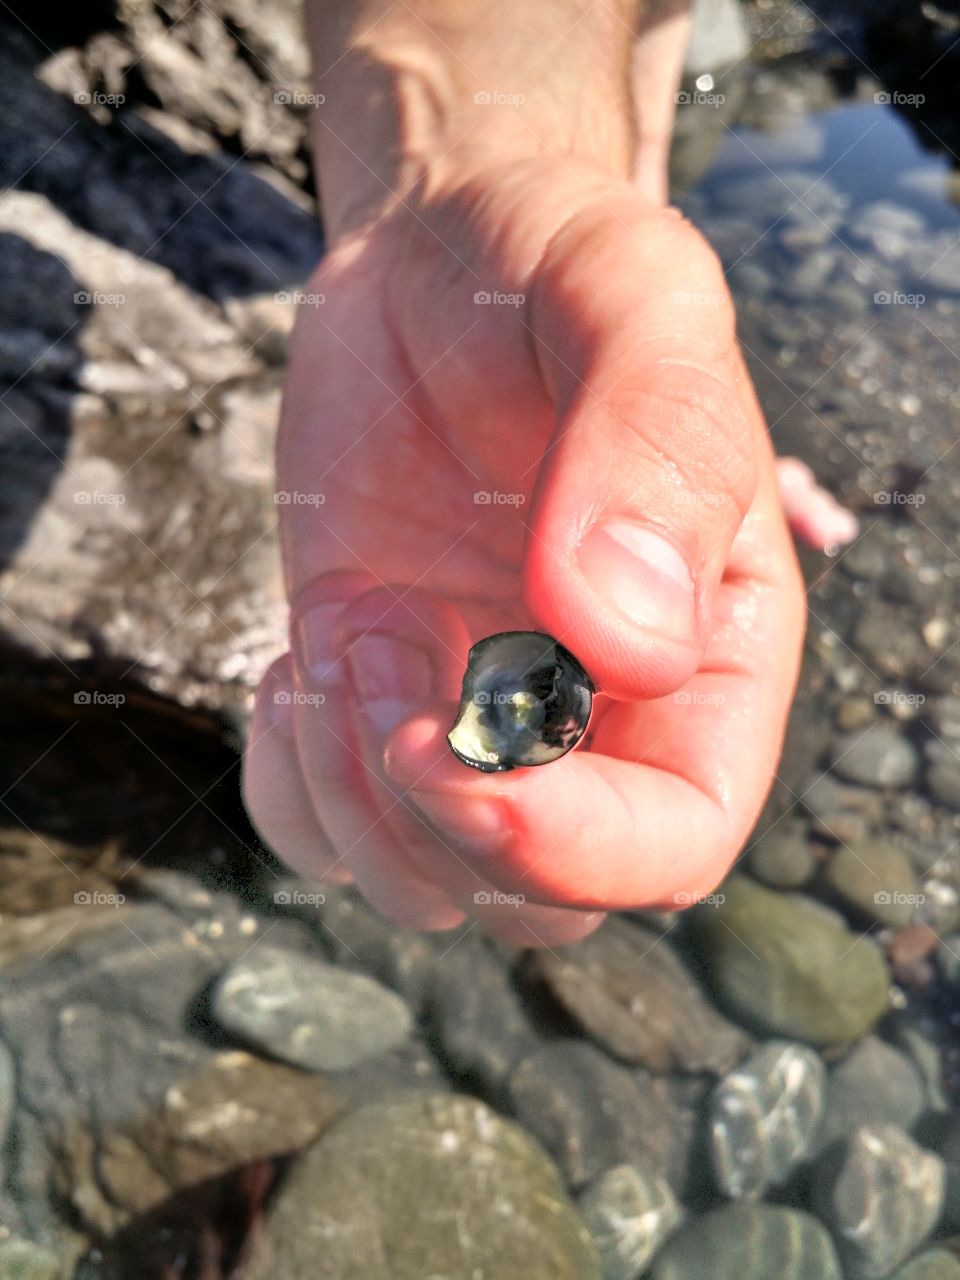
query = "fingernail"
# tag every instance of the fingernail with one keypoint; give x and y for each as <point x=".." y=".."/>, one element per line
<point x="479" y="826"/>
<point x="391" y="678"/>
<point x="642" y="575"/>
<point x="314" y="649"/>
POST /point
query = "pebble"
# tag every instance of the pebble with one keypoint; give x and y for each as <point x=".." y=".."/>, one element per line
<point x="630" y="991"/>
<point x="308" y="1013"/>
<point x="590" y="1113"/>
<point x="429" y="1187"/>
<point x="881" y="1195"/>
<point x="629" y="1212"/>
<point x="842" y="812"/>
<point x="783" y="961"/>
<point x="874" y="1084"/>
<point x="764" y="1116"/>
<point x="876" y="757"/>
<point x="782" y="857"/>
<point x="749" y="1242"/>
<point x="935" y="1264"/>
<point x="943" y="782"/>
<point x="477" y="1017"/>
<point x="876" y="879"/>
<point x="24" y="1260"/>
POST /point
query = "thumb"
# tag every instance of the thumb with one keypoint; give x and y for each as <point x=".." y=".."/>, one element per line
<point x="653" y="465"/>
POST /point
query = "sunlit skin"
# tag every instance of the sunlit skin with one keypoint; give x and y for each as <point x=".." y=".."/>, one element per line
<point x="613" y="390"/>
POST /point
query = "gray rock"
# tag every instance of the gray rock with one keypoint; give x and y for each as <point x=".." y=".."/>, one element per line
<point x="943" y="782"/>
<point x="780" y="960"/>
<point x="874" y="1084"/>
<point x="876" y="878"/>
<point x="876" y="757"/>
<point x="934" y="1264"/>
<point x="749" y="1242"/>
<point x="630" y="991"/>
<point x="591" y="1113"/>
<point x="22" y="1260"/>
<point x="764" y="1117"/>
<point x="881" y="1195"/>
<point x="782" y="857"/>
<point x="629" y="1212"/>
<point x="943" y="715"/>
<point x="477" y="1017"/>
<point x="309" y="1013"/>
<point x="927" y="1042"/>
<point x="842" y="812"/>
<point x="437" y="1186"/>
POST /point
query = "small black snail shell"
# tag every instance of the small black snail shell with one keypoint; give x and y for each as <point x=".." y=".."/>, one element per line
<point x="526" y="700"/>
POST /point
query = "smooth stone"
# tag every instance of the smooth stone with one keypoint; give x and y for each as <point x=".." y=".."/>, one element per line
<point x="782" y="857"/>
<point x="876" y="757"/>
<point x="749" y="1242"/>
<point x="926" y="1042"/>
<point x="782" y="961"/>
<point x="877" y="879"/>
<point x="764" y="1117"/>
<point x="842" y="812"/>
<point x="629" y="1212"/>
<point x="590" y="1113"/>
<point x="874" y="1084"/>
<point x="943" y="782"/>
<point x="631" y="992"/>
<point x="881" y="1195"/>
<point x="24" y="1260"/>
<point x="935" y="1264"/>
<point x="477" y="1017"/>
<point x="309" y="1013"/>
<point x="943" y="715"/>
<point x="434" y="1186"/>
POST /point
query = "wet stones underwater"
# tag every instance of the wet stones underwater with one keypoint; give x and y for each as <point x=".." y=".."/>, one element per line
<point x="210" y="1069"/>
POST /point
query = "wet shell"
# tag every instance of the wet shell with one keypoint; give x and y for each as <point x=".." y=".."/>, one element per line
<point x="526" y="700"/>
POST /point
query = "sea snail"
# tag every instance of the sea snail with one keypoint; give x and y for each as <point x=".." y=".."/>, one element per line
<point x="526" y="700"/>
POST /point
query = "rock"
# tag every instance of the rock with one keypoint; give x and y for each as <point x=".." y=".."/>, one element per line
<point x="749" y="1242"/>
<point x="876" y="757"/>
<point x="591" y="1113"/>
<point x="874" y="1084"/>
<point x="764" y="1117"/>
<point x="235" y="1111"/>
<point x="629" y="1213"/>
<point x="877" y="879"/>
<point x="888" y="228"/>
<point x="630" y="991"/>
<point x="881" y="1195"/>
<point x="22" y="1260"/>
<point x="928" y="1043"/>
<point x="841" y="812"/>
<point x="935" y="1264"/>
<point x="309" y="1013"/>
<point x="779" y="960"/>
<point x="437" y="1186"/>
<point x="782" y="857"/>
<point x="943" y="782"/>
<point x="476" y="1015"/>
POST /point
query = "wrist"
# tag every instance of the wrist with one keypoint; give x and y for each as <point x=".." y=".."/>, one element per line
<point x="408" y="109"/>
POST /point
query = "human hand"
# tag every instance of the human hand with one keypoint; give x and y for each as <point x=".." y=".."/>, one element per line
<point x="639" y="525"/>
